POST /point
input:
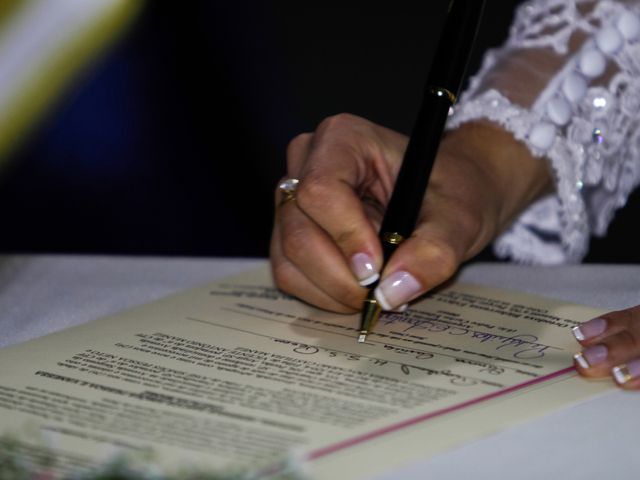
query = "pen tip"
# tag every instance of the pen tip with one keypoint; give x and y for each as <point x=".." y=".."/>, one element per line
<point x="362" y="337"/>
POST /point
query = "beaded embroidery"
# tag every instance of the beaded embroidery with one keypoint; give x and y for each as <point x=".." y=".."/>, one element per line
<point x="588" y="129"/>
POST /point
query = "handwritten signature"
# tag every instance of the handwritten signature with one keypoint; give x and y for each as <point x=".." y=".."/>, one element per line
<point x="521" y="346"/>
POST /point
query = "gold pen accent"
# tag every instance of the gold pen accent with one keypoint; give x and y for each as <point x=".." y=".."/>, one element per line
<point x="392" y="237"/>
<point x="371" y="308"/>
<point x="443" y="92"/>
<point x="370" y="314"/>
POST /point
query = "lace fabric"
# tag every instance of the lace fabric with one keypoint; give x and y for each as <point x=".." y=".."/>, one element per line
<point x="579" y="108"/>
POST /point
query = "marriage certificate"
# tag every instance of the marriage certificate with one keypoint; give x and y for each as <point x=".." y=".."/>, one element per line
<point x="236" y="373"/>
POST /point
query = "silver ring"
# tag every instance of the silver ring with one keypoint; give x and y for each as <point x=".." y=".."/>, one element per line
<point x="288" y="189"/>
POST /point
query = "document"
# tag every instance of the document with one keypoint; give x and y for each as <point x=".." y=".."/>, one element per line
<point x="236" y="373"/>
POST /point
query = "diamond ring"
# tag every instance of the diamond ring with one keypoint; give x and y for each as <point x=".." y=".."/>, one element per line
<point x="288" y="189"/>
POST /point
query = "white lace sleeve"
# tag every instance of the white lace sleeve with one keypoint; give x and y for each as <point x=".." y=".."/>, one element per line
<point x="576" y="102"/>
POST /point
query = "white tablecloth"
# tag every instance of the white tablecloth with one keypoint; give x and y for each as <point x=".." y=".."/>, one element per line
<point x="599" y="438"/>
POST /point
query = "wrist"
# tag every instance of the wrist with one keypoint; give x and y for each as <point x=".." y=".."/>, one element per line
<point x="508" y="168"/>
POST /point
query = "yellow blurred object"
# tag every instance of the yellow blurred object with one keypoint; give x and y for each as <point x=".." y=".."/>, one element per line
<point x="6" y="8"/>
<point x="44" y="45"/>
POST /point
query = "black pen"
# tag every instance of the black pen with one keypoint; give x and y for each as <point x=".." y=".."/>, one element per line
<point x="442" y="87"/>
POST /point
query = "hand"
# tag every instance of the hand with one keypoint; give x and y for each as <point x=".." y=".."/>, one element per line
<point x="326" y="242"/>
<point x="612" y="347"/>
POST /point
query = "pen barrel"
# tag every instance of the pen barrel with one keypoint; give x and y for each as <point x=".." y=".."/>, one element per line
<point x="443" y="83"/>
<point x="407" y="197"/>
<point x="455" y="45"/>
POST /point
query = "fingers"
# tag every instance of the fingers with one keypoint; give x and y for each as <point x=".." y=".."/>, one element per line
<point x="343" y="165"/>
<point x="611" y="347"/>
<point x="294" y="240"/>
<point x="325" y="243"/>
<point x="312" y="251"/>
<point x="334" y="206"/>
<point x="297" y="152"/>
<point x="293" y="281"/>
<point x="305" y="262"/>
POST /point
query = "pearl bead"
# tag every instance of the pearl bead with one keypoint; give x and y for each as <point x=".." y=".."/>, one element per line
<point x="609" y="40"/>
<point x="574" y="87"/>
<point x="542" y="135"/>
<point x="629" y="26"/>
<point x="559" y="110"/>
<point x="592" y="63"/>
<point x="599" y="103"/>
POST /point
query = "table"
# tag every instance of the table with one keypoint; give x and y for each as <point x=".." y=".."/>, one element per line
<point x="599" y="438"/>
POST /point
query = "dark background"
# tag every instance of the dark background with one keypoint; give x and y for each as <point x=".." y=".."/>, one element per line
<point x="173" y="142"/>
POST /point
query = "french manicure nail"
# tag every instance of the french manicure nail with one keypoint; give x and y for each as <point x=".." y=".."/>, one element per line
<point x="397" y="289"/>
<point x="592" y="356"/>
<point x="364" y="269"/>
<point x="590" y="329"/>
<point x="401" y="308"/>
<point x="580" y="360"/>
<point x="625" y="372"/>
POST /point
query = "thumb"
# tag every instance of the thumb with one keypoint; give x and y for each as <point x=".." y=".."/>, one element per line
<point x="431" y="255"/>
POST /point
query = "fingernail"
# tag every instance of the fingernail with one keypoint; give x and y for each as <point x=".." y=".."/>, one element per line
<point x="363" y="268"/>
<point x="590" y="329"/>
<point x="591" y="356"/>
<point x="580" y="360"/>
<point x="625" y="372"/>
<point x="401" y="308"/>
<point x="397" y="289"/>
